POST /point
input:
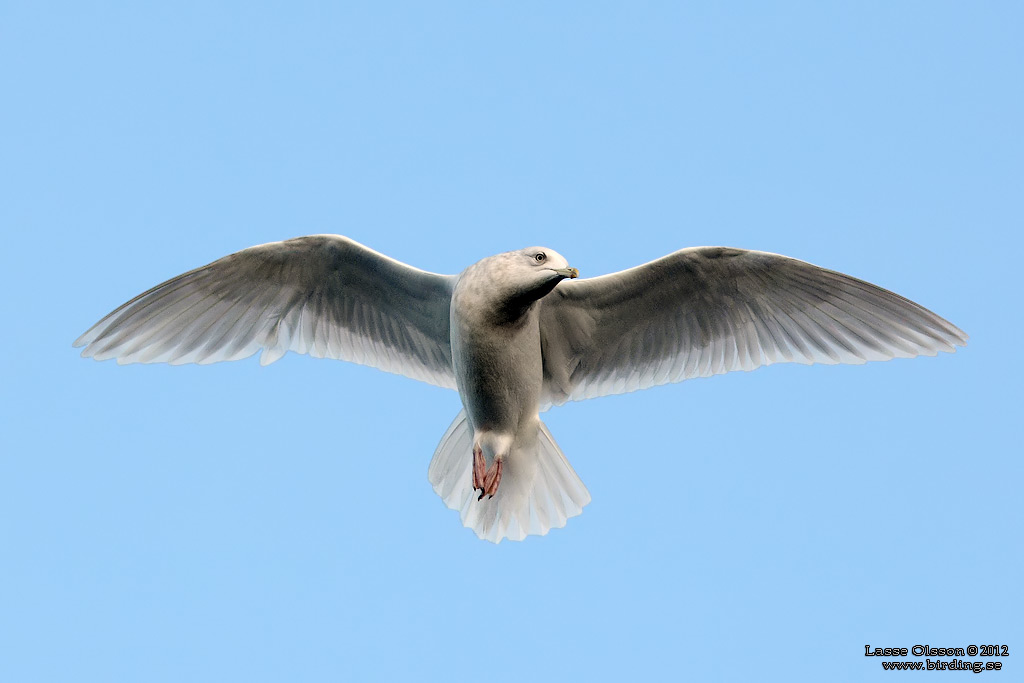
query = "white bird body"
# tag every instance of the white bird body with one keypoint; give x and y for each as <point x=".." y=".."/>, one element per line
<point x="496" y="357"/>
<point x="499" y="372"/>
<point x="514" y="339"/>
<point x="495" y="338"/>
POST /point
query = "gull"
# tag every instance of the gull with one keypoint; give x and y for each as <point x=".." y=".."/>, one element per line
<point x="516" y="334"/>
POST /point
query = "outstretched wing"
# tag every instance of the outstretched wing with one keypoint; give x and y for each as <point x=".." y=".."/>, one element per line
<point x="324" y="295"/>
<point x="709" y="310"/>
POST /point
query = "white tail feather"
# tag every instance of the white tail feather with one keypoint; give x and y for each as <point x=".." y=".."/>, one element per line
<point x="539" y="489"/>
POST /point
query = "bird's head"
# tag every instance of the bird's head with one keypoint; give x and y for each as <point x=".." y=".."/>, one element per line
<point x="543" y="265"/>
<point x="515" y="280"/>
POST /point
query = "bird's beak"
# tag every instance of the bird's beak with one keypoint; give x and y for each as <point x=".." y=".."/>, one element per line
<point x="567" y="272"/>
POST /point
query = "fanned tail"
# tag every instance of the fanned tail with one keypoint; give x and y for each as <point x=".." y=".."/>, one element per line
<point x="539" y="490"/>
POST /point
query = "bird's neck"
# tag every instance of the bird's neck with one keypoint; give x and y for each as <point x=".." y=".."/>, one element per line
<point x="518" y="303"/>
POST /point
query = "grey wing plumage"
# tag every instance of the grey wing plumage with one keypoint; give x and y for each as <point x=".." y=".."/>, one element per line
<point x="324" y="295"/>
<point x="709" y="310"/>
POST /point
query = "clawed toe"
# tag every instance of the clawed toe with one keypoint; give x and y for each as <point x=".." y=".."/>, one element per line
<point x="491" y="480"/>
<point x="479" y="469"/>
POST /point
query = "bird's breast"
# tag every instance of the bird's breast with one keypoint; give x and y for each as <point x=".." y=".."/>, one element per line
<point x="498" y="369"/>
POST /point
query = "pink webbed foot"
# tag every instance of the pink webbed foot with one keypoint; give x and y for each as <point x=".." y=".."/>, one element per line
<point x="479" y="469"/>
<point x="491" y="480"/>
<point x="485" y="479"/>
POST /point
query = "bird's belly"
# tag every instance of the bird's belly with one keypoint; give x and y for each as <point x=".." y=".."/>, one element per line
<point x="499" y="381"/>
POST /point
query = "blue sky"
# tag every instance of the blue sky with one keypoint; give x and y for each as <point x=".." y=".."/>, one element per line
<point x="234" y="522"/>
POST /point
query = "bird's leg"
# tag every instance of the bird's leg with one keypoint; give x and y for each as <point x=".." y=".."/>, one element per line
<point x="479" y="470"/>
<point x="492" y="479"/>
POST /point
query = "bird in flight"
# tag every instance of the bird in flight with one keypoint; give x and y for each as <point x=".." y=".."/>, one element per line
<point x="515" y="334"/>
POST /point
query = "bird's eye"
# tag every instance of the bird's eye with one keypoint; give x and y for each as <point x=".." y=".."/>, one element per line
<point x="540" y="257"/>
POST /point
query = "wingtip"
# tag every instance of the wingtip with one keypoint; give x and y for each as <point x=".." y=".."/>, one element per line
<point x="957" y="337"/>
